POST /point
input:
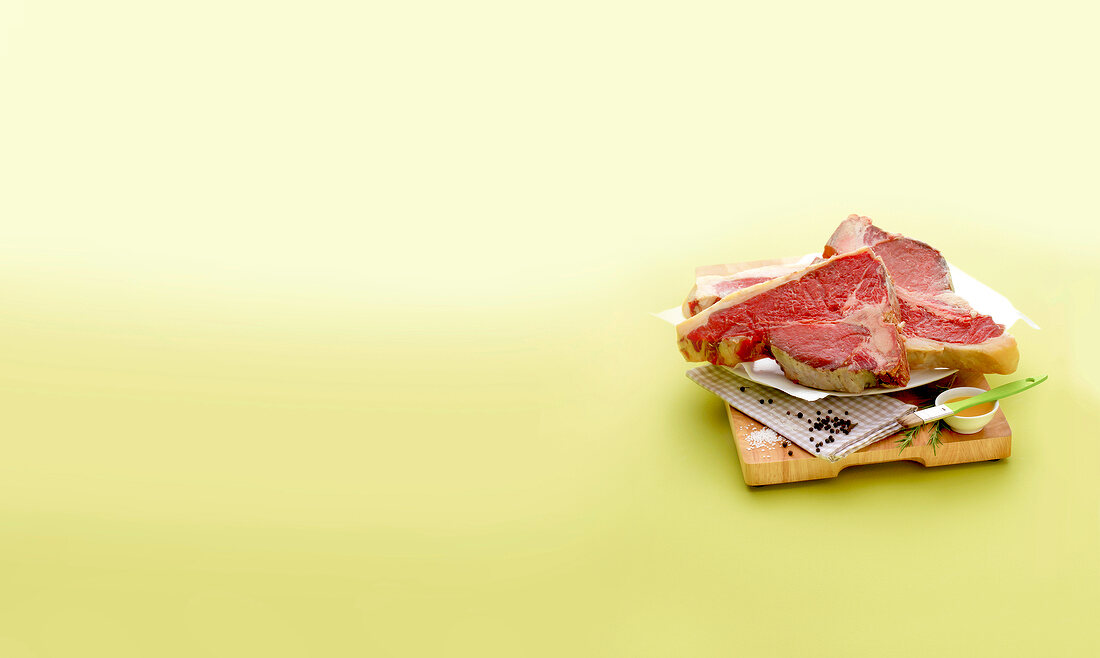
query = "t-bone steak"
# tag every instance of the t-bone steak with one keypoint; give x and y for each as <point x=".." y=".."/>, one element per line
<point x="708" y="289"/>
<point x="832" y="325"/>
<point x="941" y="328"/>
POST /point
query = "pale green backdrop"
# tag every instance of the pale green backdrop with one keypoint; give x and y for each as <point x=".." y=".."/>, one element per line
<point x="324" y="326"/>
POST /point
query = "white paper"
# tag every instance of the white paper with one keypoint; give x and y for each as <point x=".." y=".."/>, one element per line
<point x="985" y="299"/>
<point x="980" y="296"/>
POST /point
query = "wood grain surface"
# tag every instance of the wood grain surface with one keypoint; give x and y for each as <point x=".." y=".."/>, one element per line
<point x="765" y="465"/>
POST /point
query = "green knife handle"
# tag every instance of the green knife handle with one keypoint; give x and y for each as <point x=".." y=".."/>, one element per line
<point x="1002" y="391"/>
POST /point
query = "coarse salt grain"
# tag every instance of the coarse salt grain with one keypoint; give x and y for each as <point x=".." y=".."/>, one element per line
<point x="762" y="438"/>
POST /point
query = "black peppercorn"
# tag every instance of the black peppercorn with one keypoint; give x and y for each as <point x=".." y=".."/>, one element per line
<point x="790" y="453"/>
<point x="742" y="389"/>
<point x="799" y="414"/>
<point x="769" y="400"/>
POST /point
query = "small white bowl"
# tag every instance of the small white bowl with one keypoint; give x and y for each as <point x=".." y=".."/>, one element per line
<point x="967" y="424"/>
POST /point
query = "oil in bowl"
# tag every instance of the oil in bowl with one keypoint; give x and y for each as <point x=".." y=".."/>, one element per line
<point x="967" y="421"/>
<point x="977" y="410"/>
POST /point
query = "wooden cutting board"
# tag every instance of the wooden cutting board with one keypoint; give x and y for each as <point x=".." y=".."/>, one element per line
<point x="773" y="466"/>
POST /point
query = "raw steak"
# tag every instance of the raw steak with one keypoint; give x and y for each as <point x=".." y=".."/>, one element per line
<point x="941" y="328"/>
<point x="709" y="289"/>
<point x="831" y="325"/>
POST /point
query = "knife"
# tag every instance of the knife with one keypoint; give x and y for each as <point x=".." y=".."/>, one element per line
<point x="944" y="410"/>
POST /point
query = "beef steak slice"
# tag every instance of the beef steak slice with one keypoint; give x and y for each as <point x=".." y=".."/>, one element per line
<point x="831" y="325"/>
<point x="941" y="329"/>
<point x="708" y="289"/>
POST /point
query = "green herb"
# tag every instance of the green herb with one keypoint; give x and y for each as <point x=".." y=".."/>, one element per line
<point x="907" y="439"/>
<point x="934" y="435"/>
<point x="934" y="441"/>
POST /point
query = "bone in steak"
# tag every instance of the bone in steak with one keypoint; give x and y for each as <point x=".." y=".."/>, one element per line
<point x="709" y="289"/>
<point x="831" y="325"/>
<point x="941" y="328"/>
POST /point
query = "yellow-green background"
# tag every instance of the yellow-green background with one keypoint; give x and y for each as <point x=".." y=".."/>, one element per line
<point x="324" y="332"/>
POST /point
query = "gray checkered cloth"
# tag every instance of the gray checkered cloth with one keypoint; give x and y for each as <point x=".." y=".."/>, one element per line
<point x="874" y="417"/>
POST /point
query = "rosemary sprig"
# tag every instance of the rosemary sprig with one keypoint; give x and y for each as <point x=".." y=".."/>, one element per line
<point x="934" y="441"/>
<point x="906" y="439"/>
<point x="934" y="435"/>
